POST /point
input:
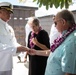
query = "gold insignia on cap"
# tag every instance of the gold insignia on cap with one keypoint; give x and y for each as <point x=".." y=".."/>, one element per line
<point x="7" y="6"/>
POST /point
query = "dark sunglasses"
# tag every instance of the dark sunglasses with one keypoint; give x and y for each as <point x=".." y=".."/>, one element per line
<point x="55" y="22"/>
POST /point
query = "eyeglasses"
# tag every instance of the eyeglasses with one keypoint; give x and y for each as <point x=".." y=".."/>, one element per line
<point x="55" y="22"/>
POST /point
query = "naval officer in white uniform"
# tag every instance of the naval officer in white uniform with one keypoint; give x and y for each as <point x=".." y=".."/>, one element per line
<point x="8" y="43"/>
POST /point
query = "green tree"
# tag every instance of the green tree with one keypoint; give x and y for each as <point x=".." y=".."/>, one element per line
<point x="56" y="3"/>
<point x="50" y="3"/>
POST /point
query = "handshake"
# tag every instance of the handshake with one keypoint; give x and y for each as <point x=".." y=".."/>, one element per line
<point x="26" y="49"/>
<point x="33" y="51"/>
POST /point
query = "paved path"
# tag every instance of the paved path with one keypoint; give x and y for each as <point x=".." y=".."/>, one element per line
<point x="19" y="68"/>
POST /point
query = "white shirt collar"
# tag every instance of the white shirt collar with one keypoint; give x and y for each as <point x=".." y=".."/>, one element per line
<point x="3" y="22"/>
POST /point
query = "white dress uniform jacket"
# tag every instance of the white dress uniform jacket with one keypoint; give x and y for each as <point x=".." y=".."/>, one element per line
<point x="8" y="46"/>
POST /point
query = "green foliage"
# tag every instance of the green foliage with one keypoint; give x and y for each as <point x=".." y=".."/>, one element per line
<point x="56" y="3"/>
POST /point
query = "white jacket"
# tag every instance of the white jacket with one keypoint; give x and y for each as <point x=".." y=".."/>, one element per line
<point x="53" y="33"/>
<point x="8" y="46"/>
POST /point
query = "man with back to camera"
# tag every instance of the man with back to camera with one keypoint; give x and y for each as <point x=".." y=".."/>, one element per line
<point x="27" y="31"/>
<point x="8" y="42"/>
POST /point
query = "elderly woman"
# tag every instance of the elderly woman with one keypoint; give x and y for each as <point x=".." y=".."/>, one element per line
<point x="38" y="39"/>
<point x="62" y="59"/>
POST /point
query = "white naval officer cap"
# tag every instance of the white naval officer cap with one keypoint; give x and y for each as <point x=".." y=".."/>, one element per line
<point x="6" y="5"/>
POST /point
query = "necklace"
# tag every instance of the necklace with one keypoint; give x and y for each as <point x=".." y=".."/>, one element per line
<point x="33" y="35"/>
<point x="57" y="42"/>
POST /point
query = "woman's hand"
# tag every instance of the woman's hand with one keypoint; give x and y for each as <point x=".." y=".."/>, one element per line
<point x="32" y="52"/>
<point x="34" y="40"/>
